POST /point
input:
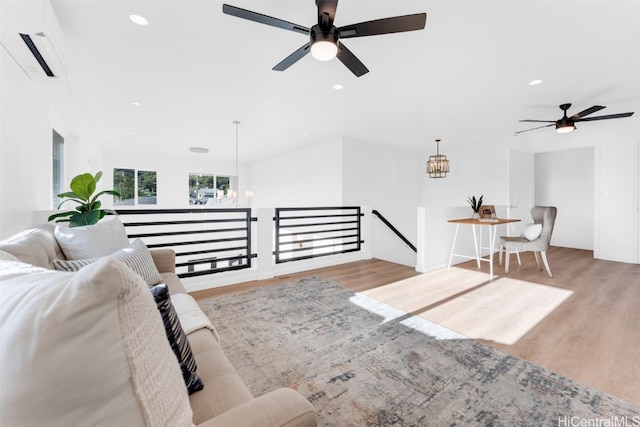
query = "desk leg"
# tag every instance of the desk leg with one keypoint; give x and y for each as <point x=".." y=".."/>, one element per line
<point x="493" y="232"/>
<point x="453" y="246"/>
<point x="475" y="244"/>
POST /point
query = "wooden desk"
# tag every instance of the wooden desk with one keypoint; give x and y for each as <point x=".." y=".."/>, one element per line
<point x="478" y="243"/>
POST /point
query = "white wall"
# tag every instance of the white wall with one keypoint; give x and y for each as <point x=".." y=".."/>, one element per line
<point x="28" y="112"/>
<point x="389" y="180"/>
<point x="476" y="170"/>
<point x="565" y="179"/>
<point x="308" y="176"/>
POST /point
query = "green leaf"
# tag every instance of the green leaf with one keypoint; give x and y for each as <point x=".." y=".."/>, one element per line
<point x="61" y="215"/>
<point x="70" y="200"/>
<point x="85" y="218"/>
<point x="83" y="185"/>
<point x="112" y="192"/>
<point x="98" y="176"/>
<point x="68" y="194"/>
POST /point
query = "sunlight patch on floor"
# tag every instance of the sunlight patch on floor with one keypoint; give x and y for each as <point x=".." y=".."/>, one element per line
<point x="466" y="301"/>
<point x="389" y="313"/>
<point x="421" y="291"/>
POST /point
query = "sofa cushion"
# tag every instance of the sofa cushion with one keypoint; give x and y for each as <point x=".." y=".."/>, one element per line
<point x="223" y="388"/>
<point x="36" y="246"/>
<point x="177" y="338"/>
<point x="85" y="349"/>
<point x="136" y="256"/>
<point x="91" y="241"/>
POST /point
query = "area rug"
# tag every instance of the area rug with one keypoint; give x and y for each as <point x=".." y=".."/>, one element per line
<point x="363" y="363"/>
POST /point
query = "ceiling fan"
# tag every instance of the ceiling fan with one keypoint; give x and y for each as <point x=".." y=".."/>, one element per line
<point x="567" y="124"/>
<point x="325" y="38"/>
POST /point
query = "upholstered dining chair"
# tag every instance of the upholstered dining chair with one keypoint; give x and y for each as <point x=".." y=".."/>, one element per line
<point x="533" y="238"/>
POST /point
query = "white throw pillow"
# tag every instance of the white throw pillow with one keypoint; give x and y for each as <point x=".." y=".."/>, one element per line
<point x="532" y="232"/>
<point x="85" y="349"/>
<point x="136" y="256"/>
<point x="92" y="241"/>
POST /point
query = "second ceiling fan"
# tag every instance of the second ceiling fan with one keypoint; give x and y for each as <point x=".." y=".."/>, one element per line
<point x="567" y="124"/>
<point x="324" y="43"/>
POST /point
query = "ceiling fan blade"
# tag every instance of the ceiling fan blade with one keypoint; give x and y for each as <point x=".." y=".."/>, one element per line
<point x="537" y="121"/>
<point x="397" y="24"/>
<point x="293" y="58"/>
<point x="326" y="12"/>
<point x="587" y="112"/>
<point x="539" y="127"/>
<point x="350" y="61"/>
<point x="264" y="19"/>
<point x="610" y="116"/>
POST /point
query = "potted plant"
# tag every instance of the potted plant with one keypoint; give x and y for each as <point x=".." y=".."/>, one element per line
<point x="88" y="210"/>
<point x="475" y="205"/>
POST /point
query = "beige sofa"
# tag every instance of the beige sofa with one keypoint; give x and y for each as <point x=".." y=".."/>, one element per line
<point x="225" y="400"/>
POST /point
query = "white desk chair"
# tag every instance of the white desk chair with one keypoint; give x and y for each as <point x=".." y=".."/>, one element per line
<point x="545" y="215"/>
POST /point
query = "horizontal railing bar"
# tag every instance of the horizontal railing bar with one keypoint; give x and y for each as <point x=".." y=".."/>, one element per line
<point x="317" y="216"/>
<point x="209" y="251"/>
<point x="285" y="251"/>
<point x="195" y="242"/>
<point x="215" y="270"/>
<point x="178" y="211"/>
<point x="185" y="222"/>
<point x="346" y="236"/>
<point x="182" y="233"/>
<point x="298" y="233"/>
<point x="317" y="224"/>
<point x="318" y="255"/>
<point x="328" y="208"/>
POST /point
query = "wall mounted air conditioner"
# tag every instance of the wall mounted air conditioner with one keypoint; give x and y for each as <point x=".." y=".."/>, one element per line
<point x="31" y="34"/>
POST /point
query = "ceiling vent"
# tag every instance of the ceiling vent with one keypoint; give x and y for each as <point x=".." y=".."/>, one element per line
<point x="31" y="35"/>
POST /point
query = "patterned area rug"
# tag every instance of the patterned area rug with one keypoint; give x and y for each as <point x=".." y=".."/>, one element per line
<point x="363" y="363"/>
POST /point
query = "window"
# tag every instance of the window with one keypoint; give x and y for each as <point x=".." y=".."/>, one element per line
<point x="58" y="168"/>
<point x="146" y="188"/>
<point x="140" y="191"/>
<point x="207" y="189"/>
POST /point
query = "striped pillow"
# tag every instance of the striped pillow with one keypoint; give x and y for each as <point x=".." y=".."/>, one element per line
<point x="177" y="338"/>
<point x="137" y="257"/>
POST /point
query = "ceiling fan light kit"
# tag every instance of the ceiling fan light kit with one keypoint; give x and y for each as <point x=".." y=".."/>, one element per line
<point x="324" y="37"/>
<point x="567" y="124"/>
<point x="324" y="44"/>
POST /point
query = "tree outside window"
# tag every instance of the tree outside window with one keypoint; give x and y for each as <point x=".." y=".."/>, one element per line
<point x="147" y="188"/>
<point x="141" y="191"/>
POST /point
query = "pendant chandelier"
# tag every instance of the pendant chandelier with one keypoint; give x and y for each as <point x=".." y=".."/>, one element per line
<point x="438" y="165"/>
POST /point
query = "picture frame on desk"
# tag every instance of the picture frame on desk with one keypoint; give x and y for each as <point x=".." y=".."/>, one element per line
<point x="487" y="211"/>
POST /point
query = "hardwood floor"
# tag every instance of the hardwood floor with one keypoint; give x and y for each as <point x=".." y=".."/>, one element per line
<point x="583" y="323"/>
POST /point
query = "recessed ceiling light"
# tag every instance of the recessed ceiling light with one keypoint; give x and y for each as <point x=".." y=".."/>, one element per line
<point x="137" y="19"/>
<point x="305" y="134"/>
<point x="136" y="104"/>
<point x="134" y="133"/>
<point x="200" y="150"/>
<point x="338" y="87"/>
<point x="535" y="82"/>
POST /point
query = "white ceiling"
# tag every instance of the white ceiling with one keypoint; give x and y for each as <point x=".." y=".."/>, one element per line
<point x="463" y="79"/>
